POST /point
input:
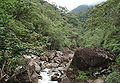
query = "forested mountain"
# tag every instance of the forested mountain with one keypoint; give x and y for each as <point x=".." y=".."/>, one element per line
<point x="102" y="25"/>
<point x="31" y="26"/>
<point x="80" y="8"/>
<point x="35" y="26"/>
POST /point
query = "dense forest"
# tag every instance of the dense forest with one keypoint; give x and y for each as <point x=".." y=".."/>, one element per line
<point x="35" y="26"/>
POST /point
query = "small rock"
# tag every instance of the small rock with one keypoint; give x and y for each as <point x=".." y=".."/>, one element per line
<point x="27" y="56"/>
<point x="55" y="77"/>
<point x="57" y="74"/>
<point x="52" y="65"/>
<point x="71" y="56"/>
<point x="33" y="56"/>
<point x="98" y="81"/>
<point x="50" y="55"/>
<point x="62" y="72"/>
<point x="39" y="77"/>
<point x="51" y="61"/>
<point x="57" y="60"/>
<point x="58" y="53"/>
<point x="64" y="63"/>
<point x="43" y="58"/>
<point x="54" y="70"/>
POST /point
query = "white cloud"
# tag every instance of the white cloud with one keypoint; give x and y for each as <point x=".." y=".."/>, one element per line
<point x="71" y="4"/>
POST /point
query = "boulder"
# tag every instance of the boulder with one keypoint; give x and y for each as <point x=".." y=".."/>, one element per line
<point x="98" y="81"/>
<point x="54" y="70"/>
<point x="50" y="55"/>
<point x="92" y="57"/>
<point x="58" y="53"/>
<point x="32" y="69"/>
<point x="52" y="65"/>
<point x="33" y="63"/>
<point x="55" y="77"/>
<point x="65" y="58"/>
<point x="43" y="58"/>
<point x="22" y="77"/>
<point x="57" y="60"/>
<point x="34" y="77"/>
<point x="65" y="79"/>
<point x="71" y="56"/>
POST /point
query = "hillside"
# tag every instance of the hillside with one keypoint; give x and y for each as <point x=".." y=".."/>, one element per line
<point x="80" y="8"/>
<point x="41" y="31"/>
<point x="31" y="27"/>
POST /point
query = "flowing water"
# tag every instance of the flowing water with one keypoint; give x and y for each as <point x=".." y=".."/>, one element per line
<point x="46" y="76"/>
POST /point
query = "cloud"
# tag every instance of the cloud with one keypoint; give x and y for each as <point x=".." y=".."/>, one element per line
<point x="71" y="4"/>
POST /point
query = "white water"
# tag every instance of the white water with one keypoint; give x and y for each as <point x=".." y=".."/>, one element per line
<point x="46" y="76"/>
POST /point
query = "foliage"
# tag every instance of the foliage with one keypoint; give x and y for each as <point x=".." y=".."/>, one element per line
<point x="82" y="76"/>
<point x="30" y="26"/>
<point x="10" y="45"/>
<point x="113" y="77"/>
<point x="77" y="20"/>
<point x="118" y="60"/>
<point x="101" y="27"/>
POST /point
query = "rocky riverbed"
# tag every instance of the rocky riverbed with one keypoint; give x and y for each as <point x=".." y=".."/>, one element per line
<point x="50" y="68"/>
<point x="64" y="67"/>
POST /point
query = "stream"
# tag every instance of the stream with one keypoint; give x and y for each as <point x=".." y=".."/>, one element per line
<point x="51" y="67"/>
<point x="46" y="76"/>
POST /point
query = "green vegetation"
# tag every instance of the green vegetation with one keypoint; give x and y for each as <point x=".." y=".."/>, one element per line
<point x="31" y="26"/>
<point x="34" y="26"/>
<point x="82" y="76"/>
<point x="102" y="26"/>
<point x="118" y="59"/>
<point x="113" y="77"/>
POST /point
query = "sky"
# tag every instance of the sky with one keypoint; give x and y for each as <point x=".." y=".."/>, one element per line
<point x="71" y="4"/>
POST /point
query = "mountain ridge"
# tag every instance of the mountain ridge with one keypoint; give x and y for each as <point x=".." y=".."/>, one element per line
<point x="81" y="8"/>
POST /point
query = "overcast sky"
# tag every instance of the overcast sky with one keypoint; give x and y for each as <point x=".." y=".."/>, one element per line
<point x="71" y="4"/>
